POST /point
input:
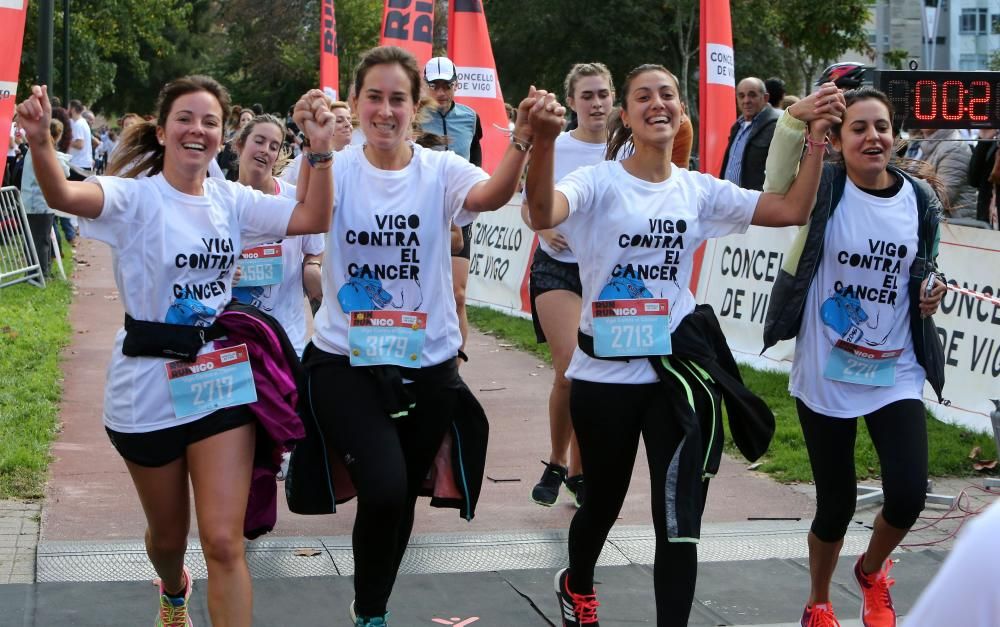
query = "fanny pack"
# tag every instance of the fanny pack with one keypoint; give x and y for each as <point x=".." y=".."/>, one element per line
<point x="161" y="339"/>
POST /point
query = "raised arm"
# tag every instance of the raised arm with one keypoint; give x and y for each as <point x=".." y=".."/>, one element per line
<point x="546" y="207"/>
<point x="313" y="213"/>
<point x="793" y="207"/>
<point x="491" y="194"/>
<point x="79" y="198"/>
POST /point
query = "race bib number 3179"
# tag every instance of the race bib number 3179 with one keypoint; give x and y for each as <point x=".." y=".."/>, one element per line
<point x="387" y="338"/>
<point x="631" y="328"/>
<point x="215" y="380"/>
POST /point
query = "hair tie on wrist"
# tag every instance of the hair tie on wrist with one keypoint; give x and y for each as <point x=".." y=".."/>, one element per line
<point x="810" y="142"/>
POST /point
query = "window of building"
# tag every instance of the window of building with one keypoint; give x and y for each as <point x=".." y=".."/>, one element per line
<point x="973" y="21"/>
<point x="970" y="62"/>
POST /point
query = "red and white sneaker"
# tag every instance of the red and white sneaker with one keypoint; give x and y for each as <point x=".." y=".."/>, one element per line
<point x="575" y="609"/>
<point x="819" y="615"/>
<point x="876" y="602"/>
<point x="174" y="610"/>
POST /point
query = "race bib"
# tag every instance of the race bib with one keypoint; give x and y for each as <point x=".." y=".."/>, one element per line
<point x="387" y="338"/>
<point x="851" y="363"/>
<point x="631" y="328"/>
<point x="261" y="265"/>
<point x="215" y="380"/>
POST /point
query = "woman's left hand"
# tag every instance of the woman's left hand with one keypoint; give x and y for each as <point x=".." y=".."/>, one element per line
<point x="929" y="302"/>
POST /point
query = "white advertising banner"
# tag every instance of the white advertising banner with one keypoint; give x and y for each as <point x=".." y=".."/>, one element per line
<point x="500" y="259"/>
<point x="738" y="271"/>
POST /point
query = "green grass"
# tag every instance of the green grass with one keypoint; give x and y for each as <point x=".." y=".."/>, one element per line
<point x="786" y="460"/>
<point x="33" y="330"/>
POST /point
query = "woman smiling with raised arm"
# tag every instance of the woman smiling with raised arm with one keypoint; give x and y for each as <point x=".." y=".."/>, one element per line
<point x="175" y="236"/>
<point x="648" y="361"/>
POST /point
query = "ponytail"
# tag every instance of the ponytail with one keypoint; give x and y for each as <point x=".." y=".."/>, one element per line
<point x="138" y="152"/>
<point x="619" y="136"/>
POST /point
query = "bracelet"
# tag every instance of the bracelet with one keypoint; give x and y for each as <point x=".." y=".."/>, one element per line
<point x="316" y="158"/>
<point x="520" y="144"/>
<point x="810" y="142"/>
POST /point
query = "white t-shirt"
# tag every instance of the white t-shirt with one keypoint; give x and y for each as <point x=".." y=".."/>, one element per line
<point x="173" y="257"/>
<point x="81" y="157"/>
<point x="284" y="300"/>
<point x="291" y="171"/>
<point x="571" y="153"/>
<point x="12" y="147"/>
<point x="869" y="245"/>
<point x="635" y="239"/>
<point x="964" y="590"/>
<point x="390" y="245"/>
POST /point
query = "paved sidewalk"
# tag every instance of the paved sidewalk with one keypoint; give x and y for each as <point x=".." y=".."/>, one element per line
<point x="19" y="521"/>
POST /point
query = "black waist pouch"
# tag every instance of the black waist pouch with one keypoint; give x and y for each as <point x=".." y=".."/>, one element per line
<point x="160" y="339"/>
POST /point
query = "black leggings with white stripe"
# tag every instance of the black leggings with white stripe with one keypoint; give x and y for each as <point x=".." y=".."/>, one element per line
<point x="608" y="419"/>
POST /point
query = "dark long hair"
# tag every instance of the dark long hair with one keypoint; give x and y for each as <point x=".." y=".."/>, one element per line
<point x="139" y="150"/>
<point x="621" y="134"/>
<point x="913" y="167"/>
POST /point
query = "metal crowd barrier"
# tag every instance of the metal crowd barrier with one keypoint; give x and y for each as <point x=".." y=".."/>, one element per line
<point x="18" y="258"/>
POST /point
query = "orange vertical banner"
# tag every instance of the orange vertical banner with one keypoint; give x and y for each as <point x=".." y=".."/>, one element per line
<point x="478" y="86"/>
<point x="12" y="13"/>
<point x="716" y="85"/>
<point x="409" y="24"/>
<point x="716" y="96"/>
<point x="329" y="62"/>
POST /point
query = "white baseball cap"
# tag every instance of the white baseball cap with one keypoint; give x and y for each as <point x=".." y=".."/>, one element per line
<point x="440" y="69"/>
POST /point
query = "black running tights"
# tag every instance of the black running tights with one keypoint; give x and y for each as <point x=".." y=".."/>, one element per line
<point x="387" y="460"/>
<point x="608" y="420"/>
<point x="899" y="433"/>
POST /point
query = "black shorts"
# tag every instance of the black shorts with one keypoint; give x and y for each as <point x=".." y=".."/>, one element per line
<point x="548" y="274"/>
<point x="466" y="251"/>
<point x="158" y="448"/>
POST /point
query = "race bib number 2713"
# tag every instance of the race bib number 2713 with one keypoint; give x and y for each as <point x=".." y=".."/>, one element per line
<point x="631" y="328"/>
<point x="215" y="380"/>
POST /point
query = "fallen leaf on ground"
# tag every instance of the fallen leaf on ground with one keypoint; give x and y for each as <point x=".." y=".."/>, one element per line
<point x="975" y="452"/>
<point x="307" y="552"/>
<point x="988" y="464"/>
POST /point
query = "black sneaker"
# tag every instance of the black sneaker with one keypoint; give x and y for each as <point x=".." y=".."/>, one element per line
<point x="575" y="486"/>
<point x="546" y="491"/>
<point x="575" y="609"/>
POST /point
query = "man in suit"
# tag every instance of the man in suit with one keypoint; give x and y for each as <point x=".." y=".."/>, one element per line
<point x="750" y="136"/>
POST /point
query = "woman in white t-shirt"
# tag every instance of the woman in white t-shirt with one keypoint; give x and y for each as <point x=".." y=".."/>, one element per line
<point x="856" y="301"/>
<point x="555" y="276"/>
<point x="175" y="235"/>
<point x="387" y="335"/>
<point x="282" y="268"/>
<point x="648" y="362"/>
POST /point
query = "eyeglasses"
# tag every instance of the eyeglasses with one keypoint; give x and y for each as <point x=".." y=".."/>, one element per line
<point x="440" y="86"/>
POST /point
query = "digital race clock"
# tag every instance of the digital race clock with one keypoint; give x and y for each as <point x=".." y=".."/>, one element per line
<point x="941" y="99"/>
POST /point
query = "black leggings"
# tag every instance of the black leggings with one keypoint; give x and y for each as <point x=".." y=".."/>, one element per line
<point x="608" y="419"/>
<point x="899" y="433"/>
<point x="387" y="459"/>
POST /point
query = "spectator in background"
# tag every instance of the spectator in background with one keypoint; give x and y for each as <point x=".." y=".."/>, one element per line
<point x="229" y="159"/>
<point x="81" y="148"/>
<point x="944" y="150"/>
<point x="788" y="101"/>
<point x="750" y="136"/>
<point x="984" y="175"/>
<point x="128" y="120"/>
<point x="40" y="215"/>
<point x="11" y="153"/>
<point x="257" y="108"/>
<point x="775" y="88"/>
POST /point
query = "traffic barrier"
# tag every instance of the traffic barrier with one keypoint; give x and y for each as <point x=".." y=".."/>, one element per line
<point x="18" y="258"/>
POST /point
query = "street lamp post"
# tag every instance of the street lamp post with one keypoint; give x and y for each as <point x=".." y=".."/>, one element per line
<point x="66" y="52"/>
<point x="45" y="34"/>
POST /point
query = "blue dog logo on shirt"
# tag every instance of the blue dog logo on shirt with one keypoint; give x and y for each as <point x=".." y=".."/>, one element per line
<point x="624" y="288"/>
<point x="190" y="312"/>
<point x="362" y="294"/>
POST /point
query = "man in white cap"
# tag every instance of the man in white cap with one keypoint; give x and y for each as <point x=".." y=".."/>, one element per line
<point x="459" y="126"/>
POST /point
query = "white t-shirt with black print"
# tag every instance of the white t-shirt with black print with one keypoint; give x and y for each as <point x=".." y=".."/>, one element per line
<point x="570" y="154"/>
<point x="860" y="296"/>
<point x="389" y="247"/>
<point x="636" y="239"/>
<point x="284" y="300"/>
<point x="173" y="257"/>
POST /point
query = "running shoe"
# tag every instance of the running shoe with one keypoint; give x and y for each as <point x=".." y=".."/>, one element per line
<point x="575" y="486"/>
<point x="819" y="615"/>
<point x="174" y="610"/>
<point x="368" y="621"/>
<point x="576" y="609"/>
<point x="546" y="491"/>
<point x="876" y="602"/>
